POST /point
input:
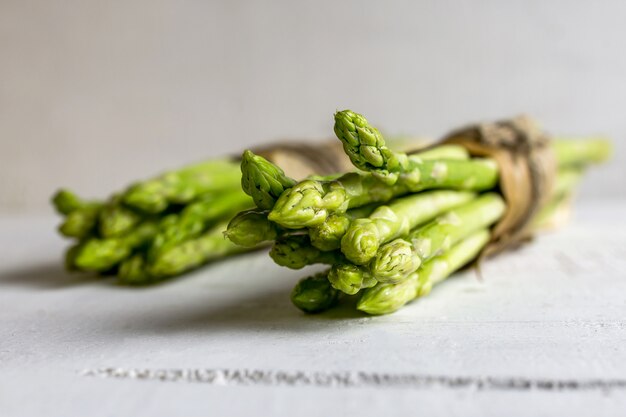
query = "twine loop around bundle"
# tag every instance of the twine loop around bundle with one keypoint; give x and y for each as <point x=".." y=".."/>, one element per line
<point x="299" y="160"/>
<point x="527" y="170"/>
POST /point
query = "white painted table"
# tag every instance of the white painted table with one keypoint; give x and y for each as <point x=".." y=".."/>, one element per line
<point x="544" y="333"/>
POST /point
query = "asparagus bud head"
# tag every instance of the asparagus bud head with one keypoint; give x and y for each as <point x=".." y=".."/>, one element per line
<point x="361" y="241"/>
<point x="251" y="228"/>
<point x="395" y="261"/>
<point x="294" y="252"/>
<point x="307" y="204"/>
<point x="65" y="201"/>
<point x="327" y="236"/>
<point x="387" y="298"/>
<point x="349" y="278"/>
<point x="314" y="294"/>
<point x="262" y="180"/>
<point x="366" y="147"/>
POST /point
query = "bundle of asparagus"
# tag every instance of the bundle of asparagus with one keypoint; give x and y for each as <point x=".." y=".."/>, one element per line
<point x="156" y="228"/>
<point x="170" y="224"/>
<point x="394" y="227"/>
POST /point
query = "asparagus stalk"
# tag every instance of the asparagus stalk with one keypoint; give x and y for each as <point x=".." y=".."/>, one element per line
<point x="103" y="254"/>
<point x="190" y="254"/>
<point x="183" y="186"/>
<point x="385" y="298"/>
<point x="364" y="144"/>
<point x="251" y="228"/>
<point x="566" y="180"/>
<point x="81" y="222"/>
<point x="114" y="219"/>
<point x="554" y="213"/>
<point x="327" y="235"/>
<point x="438" y="152"/>
<point x="296" y="252"/>
<point x="70" y="256"/>
<point x="399" y="276"/>
<point x="134" y="271"/>
<point x="349" y="278"/>
<point x="362" y="240"/>
<point x="314" y="294"/>
<point x="399" y="258"/>
<point x="570" y="153"/>
<point x="263" y="180"/>
<point x="177" y="259"/>
<point x="195" y="218"/>
<point x="310" y="202"/>
<point x="65" y="201"/>
<point x="367" y="149"/>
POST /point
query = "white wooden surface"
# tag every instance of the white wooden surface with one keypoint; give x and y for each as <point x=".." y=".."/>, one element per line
<point x="554" y="311"/>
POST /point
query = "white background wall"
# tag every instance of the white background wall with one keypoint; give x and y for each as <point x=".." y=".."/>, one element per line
<point x="96" y="93"/>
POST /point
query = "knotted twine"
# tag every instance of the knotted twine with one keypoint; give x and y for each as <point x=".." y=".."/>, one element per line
<point x="527" y="170"/>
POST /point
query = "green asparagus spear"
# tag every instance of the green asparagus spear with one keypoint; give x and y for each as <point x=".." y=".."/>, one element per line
<point x="190" y="254"/>
<point x="114" y="219"/>
<point x="296" y="252"/>
<point x="440" y="152"/>
<point x="134" y="271"/>
<point x="549" y="215"/>
<point x="314" y="294"/>
<point x="309" y="202"/>
<point x="183" y="186"/>
<point x="195" y="218"/>
<point x="251" y="228"/>
<point x="364" y="236"/>
<point x="395" y="260"/>
<point x="81" y="216"/>
<point x="570" y="153"/>
<point x="81" y="222"/>
<point x="104" y="254"/>
<point x="442" y="266"/>
<point x="70" y="256"/>
<point x="262" y="180"/>
<point x="327" y="236"/>
<point x="367" y="149"/>
<point x="566" y="180"/>
<point x="349" y="278"/>
<point x="365" y="145"/>
<point x="65" y="202"/>
<point x="386" y="298"/>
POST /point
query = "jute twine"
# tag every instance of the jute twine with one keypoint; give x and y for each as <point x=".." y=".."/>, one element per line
<point x="527" y="170"/>
<point x="300" y="159"/>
